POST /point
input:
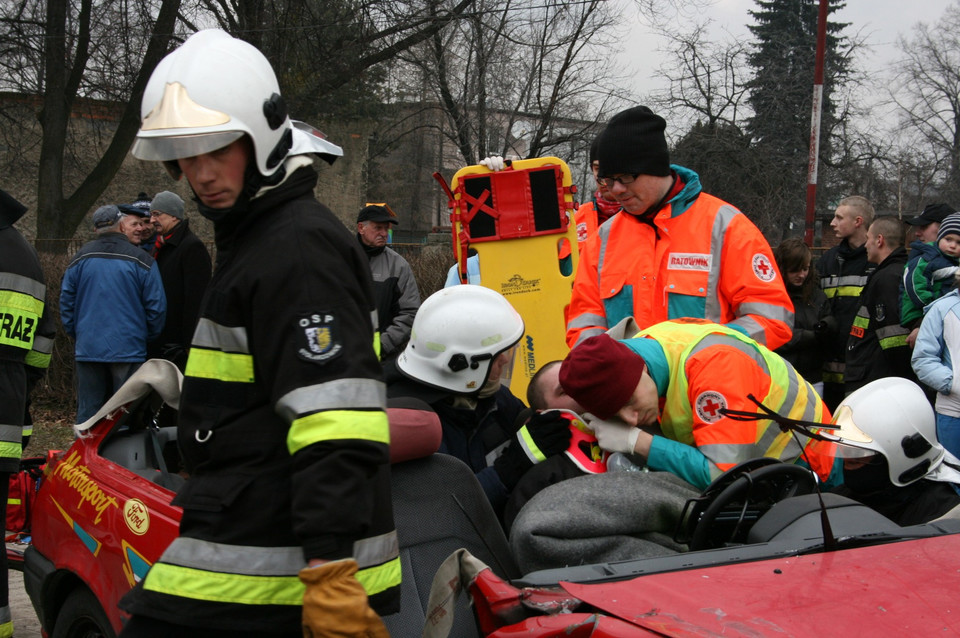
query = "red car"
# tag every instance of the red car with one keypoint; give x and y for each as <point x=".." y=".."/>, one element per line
<point x="103" y="516"/>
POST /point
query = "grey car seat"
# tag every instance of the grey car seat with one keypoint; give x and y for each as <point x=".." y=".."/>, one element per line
<point x="438" y="507"/>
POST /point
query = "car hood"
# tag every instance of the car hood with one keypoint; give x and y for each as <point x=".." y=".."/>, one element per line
<point x="902" y="588"/>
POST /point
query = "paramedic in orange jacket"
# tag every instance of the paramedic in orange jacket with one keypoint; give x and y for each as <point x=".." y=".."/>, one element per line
<point x="590" y="216"/>
<point x="674" y="251"/>
<point x="678" y="375"/>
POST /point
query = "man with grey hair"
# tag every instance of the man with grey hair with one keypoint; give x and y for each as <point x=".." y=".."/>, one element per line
<point x="185" y="270"/>
<point x="395" y="289"/>
<point x="112" y="304"/>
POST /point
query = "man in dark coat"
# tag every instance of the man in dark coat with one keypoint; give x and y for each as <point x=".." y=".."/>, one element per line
<point x="185" y="270"/>
<point x="877" y="344"/>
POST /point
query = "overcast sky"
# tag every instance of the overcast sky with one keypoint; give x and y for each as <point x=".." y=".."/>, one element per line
<point x="881" y="21"/>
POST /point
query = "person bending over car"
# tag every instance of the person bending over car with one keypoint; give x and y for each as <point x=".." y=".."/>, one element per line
<point x="683" y="373"/>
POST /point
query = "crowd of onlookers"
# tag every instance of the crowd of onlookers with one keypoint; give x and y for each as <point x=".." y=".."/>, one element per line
<point x="870" y="309"/>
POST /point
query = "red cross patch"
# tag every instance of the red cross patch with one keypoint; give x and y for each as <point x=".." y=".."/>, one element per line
<point x="763" y="269"/>
<point x="708" y="406"/>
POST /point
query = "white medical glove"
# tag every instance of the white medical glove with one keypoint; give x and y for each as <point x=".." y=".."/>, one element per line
<point x="494" y="163"/>
<point x="615" y="436"/>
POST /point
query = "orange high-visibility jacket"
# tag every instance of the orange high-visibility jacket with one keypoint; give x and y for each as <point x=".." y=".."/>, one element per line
<point x="710" y="367"/>
<point x="700" y="257"/>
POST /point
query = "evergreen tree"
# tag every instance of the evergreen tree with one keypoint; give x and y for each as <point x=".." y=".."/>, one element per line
<point x="781" y="92"/>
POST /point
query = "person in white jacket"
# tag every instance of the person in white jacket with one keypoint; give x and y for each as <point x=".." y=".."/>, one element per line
<point x="936" y="356"/>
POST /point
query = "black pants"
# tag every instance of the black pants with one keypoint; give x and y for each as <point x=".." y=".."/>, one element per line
<point x="13" y="405"/>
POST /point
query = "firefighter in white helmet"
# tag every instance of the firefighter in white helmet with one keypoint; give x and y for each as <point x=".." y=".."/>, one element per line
<point x="892" y="460"/>
<point x="287" y="524"/>
<point x="459" y="360"/>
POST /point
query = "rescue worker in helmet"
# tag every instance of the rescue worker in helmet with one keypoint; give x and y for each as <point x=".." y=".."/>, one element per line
<point x="892" y="461"/>
<point x="287" y="525"/>
<point x="459" y="355"/>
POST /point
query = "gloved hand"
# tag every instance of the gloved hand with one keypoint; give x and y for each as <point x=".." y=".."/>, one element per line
<point x="335" y="603"/>
<point x="545" y="434"/>
<point x="549" y="431"/>
<point x="825" y="328"/>
<point x="494" y="163"/>
<point x="615" y="436"/>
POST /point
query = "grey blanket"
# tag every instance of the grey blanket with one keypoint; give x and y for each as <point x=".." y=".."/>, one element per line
<point x="600" y="517"/>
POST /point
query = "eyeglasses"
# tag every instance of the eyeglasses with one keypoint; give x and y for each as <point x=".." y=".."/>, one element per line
<point x="623" y="179"/>
<point x="156" y="213"/>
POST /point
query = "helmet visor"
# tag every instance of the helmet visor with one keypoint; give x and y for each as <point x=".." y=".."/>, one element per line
<point x="174" y="147"/>
<point x="852" y="441"/>
<point x="505" y="360"/>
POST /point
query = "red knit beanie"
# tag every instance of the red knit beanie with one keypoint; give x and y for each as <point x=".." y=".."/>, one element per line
<point x="601" y="374"/>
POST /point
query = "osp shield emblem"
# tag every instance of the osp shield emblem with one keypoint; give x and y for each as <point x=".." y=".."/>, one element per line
<point x="320" y="341"/>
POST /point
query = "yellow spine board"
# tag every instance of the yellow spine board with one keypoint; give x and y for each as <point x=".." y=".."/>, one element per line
<point x="529" y="272"/>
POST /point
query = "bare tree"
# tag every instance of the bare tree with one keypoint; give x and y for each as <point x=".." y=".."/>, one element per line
<point x="706" y="80"/>
<point x="67" y="53"/>
<point x="927" y="92"/>
<point x="518" y="77"/>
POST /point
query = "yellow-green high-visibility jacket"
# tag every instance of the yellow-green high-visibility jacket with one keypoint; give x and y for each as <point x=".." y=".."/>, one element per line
<point x="282" y="426"/>
<point x="27" y="331"/>
<point x="713" y="367"/>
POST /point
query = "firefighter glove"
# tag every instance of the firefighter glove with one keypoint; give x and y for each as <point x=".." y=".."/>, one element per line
<point x="335" y="604"/>
<point x="615" y="436"/>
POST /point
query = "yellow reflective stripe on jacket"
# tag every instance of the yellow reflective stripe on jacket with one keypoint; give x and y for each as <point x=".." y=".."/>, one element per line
<point x="220" y="366"/>
<point x="380" y="577"/>
<point x="39" y="356"/>
<point x="843" y="291"/>
<point x="529" y="446"/>
<point x="9" y="450"/>
<point x="19" y="317"/>
<point x="335" y="425"/>
<point x="206" y="570"/>
<point x="198" y="584"/>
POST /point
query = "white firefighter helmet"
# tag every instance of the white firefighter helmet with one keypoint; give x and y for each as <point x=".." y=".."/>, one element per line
<point x="456" y="335"/>
<point x="209" y="92"/>
<point x="893" y="417"/>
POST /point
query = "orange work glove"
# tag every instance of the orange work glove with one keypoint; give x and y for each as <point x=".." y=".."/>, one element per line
<point x="335" y="604"/>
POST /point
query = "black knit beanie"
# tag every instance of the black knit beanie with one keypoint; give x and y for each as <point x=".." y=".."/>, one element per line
<point x="633" y="142"/>
<point x="593" y="149"/>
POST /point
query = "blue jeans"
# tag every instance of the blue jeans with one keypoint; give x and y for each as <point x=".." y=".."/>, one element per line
<point x="948" y="433"/>
<point x="96" y="382"/>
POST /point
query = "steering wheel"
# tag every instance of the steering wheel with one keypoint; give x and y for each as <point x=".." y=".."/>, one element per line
<point x="727" y="509"/>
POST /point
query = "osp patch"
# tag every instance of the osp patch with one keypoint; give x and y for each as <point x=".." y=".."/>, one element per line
<point x="880" y="312"/>
<point x="319" y="337"/>
<point x="708" y="406"/>
<point x="762" y="268"/>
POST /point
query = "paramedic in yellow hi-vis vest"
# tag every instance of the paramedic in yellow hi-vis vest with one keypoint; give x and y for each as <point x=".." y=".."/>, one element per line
<point x="682" y="373"/>
<point x="26" y="340"/>
<point x="287" y="525"/>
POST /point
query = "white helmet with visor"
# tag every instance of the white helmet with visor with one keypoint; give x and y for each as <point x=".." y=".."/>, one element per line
<point x="208" y="93"/>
